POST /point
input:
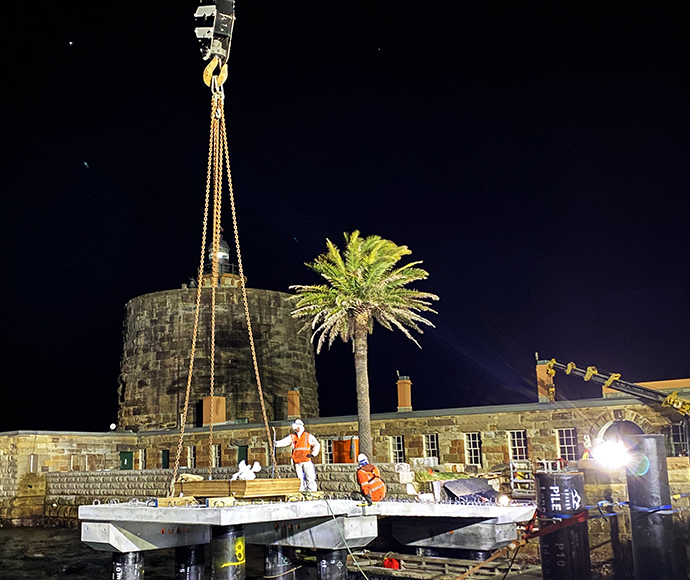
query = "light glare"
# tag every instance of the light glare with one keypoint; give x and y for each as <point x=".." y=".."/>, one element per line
<point x="611" y="454"/>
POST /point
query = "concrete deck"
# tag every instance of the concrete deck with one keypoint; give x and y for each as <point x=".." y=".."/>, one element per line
<point x="292" y="511"/>
<point x="327" y="524"/>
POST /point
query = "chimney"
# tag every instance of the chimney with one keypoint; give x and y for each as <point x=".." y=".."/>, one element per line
<point x="218" y="410"/>
<point x="546" y="389"/>
<point x="404" y="394"/>
<point x="293" y="404"/>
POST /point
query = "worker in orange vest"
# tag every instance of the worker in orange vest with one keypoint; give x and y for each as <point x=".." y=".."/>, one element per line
<point x="369" y="479"/>
<point x="304" y="447"/>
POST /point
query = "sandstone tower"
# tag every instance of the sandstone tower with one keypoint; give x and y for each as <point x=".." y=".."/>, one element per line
<point x="157" y="345"/>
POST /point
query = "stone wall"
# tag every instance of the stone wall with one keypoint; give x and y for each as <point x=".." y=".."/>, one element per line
<point x="53" y="498"/>
<point x="230" y="439"/>
<point x="157" y="344"/>
<point x="540" y="421"/>
<point x="27" y="456"/>
<point x="122" y="486"/>
<point x="9" y="474"/>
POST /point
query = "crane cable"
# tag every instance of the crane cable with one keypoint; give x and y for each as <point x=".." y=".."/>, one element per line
<point x="218" y="149"/>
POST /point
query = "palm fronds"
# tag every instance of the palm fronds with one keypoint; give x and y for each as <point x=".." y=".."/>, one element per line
<point x="363" y="283"/>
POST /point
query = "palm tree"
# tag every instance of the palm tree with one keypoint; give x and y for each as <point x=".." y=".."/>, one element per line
<point x="363" y="284"/>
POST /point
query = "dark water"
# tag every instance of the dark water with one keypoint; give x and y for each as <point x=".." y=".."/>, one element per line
<point x="48" y="554"/>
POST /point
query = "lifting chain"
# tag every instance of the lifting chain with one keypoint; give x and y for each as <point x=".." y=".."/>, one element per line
<point x="244" y="296"/>
<point x="218" y="149"/>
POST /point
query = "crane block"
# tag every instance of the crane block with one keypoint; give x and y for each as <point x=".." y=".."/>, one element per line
<point x="215" y="20"/>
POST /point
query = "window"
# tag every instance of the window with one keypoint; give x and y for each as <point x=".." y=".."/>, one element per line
<point x="95" y="462"/>
<point x="431" y="445"/>
<point x="165" y="458"/>
<point x="473" y="448"/>
<point x="327" y="451"/>
<point x="77" y="463"/>
<point x="215" y="455"/>
<point x="518" y="445"/>
<point x="191" y="455"/>
<point x="679" y="440"/>
<point x="397" y="449"/>
<point x="567" y="444"/>
<point x="33" y="464"/>
<point x="142" y="458"/>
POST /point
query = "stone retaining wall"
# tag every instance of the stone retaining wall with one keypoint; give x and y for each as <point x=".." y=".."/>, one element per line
<point x="55" y="497"/>
<point x="9" y="473"/>
<point x="27" y="457"/>
<point x="336" y="480"/>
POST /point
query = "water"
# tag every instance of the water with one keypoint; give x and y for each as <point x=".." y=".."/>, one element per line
<point x="57" y="553"/>
<point x="50" y="554"/>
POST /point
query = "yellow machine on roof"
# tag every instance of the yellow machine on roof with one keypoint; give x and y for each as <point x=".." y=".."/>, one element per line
<point x="613" y="381"/>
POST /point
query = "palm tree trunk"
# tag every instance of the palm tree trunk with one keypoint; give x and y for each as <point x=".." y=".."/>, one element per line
<point x="362" y="383"/>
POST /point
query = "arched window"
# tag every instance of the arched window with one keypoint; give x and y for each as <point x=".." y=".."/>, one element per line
<point x="619" y="430"/>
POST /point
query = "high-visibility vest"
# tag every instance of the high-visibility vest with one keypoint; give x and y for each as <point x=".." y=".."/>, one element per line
<point x="300" y="447"/>
<point x="370" y="481"/>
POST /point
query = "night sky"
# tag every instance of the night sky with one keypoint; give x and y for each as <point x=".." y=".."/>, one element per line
<point x="535" y="159"/>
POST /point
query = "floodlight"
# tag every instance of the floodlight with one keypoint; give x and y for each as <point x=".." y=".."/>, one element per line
<point x="611" y="454"/>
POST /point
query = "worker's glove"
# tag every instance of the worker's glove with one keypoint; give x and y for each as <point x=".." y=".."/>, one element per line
<point x="309" y="455"/>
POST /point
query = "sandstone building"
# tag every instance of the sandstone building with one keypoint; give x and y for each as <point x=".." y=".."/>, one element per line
<point x="157" y="344"/>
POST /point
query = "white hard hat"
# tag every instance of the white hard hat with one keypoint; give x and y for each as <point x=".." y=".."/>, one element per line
<point x="298" y="423"/>
<point x="362" y="459"/>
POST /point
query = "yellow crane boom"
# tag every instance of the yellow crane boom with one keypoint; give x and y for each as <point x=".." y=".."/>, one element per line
<point x="613" y="381"/>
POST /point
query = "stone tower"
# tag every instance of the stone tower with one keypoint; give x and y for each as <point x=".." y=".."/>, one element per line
<point x="157" y="344"/>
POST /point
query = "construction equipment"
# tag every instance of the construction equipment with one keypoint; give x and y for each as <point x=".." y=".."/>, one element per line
<point x="378" y="564"/>
<point x="613" y="381"/>
<point x="215" y="20"/>
<point x="522" y="479"/>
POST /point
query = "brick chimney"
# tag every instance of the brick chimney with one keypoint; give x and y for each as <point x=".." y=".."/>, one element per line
<point x="404" y="394"/>
<point x="546" y="389"/>
<point x="293" y="404"/>
<point x="218" y="410"/>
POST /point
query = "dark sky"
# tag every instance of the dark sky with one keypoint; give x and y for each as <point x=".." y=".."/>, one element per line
<point x="535" y="159"/>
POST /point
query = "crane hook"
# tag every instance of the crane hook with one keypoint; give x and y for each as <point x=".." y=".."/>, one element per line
<point x="209" y="77"/>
